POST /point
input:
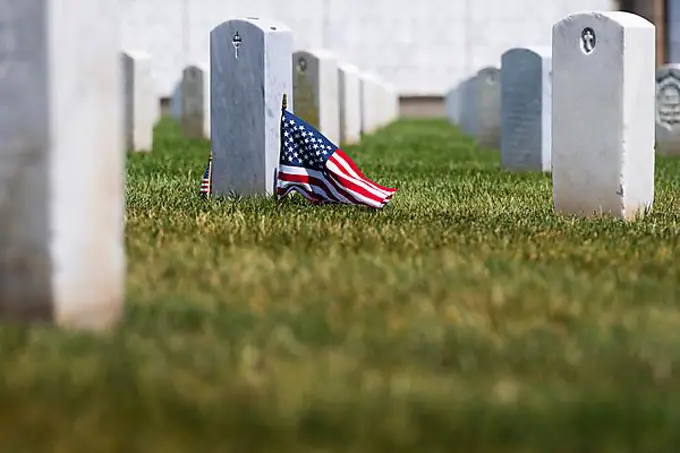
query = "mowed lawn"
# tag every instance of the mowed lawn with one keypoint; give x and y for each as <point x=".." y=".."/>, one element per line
<point x="465" y="317"/>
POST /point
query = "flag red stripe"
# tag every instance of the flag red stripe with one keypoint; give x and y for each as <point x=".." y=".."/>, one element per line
<point x="321" y="178"/>
<point x="347" y="183"/>
<point x="341" y="154"/>
<point x="354" y="197"/>
<point x="356" y="184"/>
<point x="342" y="193"/>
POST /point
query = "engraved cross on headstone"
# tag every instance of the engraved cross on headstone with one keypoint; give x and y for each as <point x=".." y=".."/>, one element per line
<point x="236" y="41"/>
<point x="588" y="40"/>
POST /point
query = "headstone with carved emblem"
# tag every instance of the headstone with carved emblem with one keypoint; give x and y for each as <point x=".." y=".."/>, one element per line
<point x="668" y="109"/>
<point x="250" y="71"/>
<point x="603" y="114"/>
<point x="488" y="104"/>
<point x="61" y="163"/>
<point x="315" y="90"/>
<point x="195" y="102"/>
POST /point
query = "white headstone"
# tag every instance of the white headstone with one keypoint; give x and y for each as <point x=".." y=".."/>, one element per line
<point x="195" y="102"/>
<point x="467" y="105"/>
<point x="61" y="163"/>
<point x="391" y="102"/>
<point x="349" y="93"/>
<point x="488" y="107"/>
<point x="384" y="103"/>
<point x="141" y="102"/>
<point x="315" y="89"/>
<point x="526" y="103"/>
<point x="251" y="70"/>
<point x="176" y="102"/>
<point x="452" y="105"/>
<point x="370" y="103"/>
<point x="603" y="114"/>
<point x="668" y="109"/>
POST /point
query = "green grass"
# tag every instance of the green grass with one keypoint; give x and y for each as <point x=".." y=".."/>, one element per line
<point x="465" y="317"/>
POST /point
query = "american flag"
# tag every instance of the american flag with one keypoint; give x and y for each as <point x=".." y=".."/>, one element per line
<point x="205" y="183"/>
<point x="318" y="170"/>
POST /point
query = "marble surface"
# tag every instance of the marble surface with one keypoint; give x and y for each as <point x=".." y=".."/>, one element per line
<point x="603" y="115"/>
<point x="315" y="89"/>
<point x="195" y="102"/>
<point x="247" y="87"/>
<point x="487" y="90"/>
<point x="526" y="105"/>
<point x="370" y="102"/>
<point x="140" y="100"/>
<point x="349" y="95"/>
<point x="668" y="110"/>
<point x="61" y="163"/>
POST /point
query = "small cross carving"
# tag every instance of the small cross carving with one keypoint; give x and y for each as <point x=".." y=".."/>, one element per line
<point x="588" y="40"/>
<point x="236" y="41"/>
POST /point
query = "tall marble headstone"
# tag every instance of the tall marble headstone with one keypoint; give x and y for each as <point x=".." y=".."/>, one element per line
<point x="370" y="103"/>
<point x="487" y="88"/>
<point x="61" y="163"/>
<point x="315" y="90"/>
<point x="195" y="102"/>
<point x="349" y="93"/>
<point x="141" y="102"/>
<point x="176" y="101"/>
<point x="603" y="114"/>
<point x="250" y="71"/>
<point x="452" y="105"/>
<point x="391" y="102"/>
<point x="526" y="103"/>
<point x="467" y="105"/>
<point x="668" y="109"/>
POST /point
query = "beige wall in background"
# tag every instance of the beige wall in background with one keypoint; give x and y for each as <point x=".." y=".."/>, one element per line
<point x="423" y="47"/>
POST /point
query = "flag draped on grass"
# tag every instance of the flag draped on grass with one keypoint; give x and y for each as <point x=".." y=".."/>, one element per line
<point x="320" y="171"/>
<point x="312" y="166"/>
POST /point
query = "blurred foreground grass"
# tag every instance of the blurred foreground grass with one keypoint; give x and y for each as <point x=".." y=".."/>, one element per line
<point x="463" y="317"/>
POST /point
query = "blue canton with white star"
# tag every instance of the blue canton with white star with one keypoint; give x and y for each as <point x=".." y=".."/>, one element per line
<point x="302" y="145"/>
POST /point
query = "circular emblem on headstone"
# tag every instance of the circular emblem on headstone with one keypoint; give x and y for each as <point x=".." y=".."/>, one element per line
<point x="668" y="101"/>
<point x="588" y="40"/>
<point x="302" y="65"/>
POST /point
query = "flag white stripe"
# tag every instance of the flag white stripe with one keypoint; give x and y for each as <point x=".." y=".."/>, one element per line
<point x="335" y="168"/>
<point x="312" y="188"/>
<point x="317" y="175"/>
<point x="358" y="196"/>
<point x="341" y="162"/>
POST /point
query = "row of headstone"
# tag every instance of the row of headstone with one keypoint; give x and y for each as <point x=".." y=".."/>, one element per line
<point x="583" y="109"/>
<point x="475" y="106"/>
<point x="335" y="97"/>
<point x="70" y="268"/>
